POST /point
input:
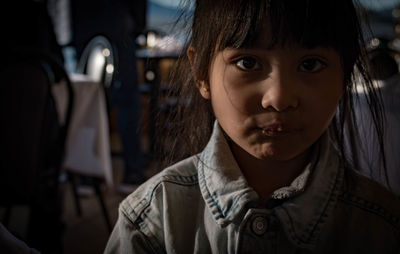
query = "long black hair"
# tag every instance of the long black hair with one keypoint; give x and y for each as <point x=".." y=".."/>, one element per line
<point x="218" y="24"/>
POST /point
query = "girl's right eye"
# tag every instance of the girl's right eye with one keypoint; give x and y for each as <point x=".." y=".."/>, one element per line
<point x="247" y="63"/>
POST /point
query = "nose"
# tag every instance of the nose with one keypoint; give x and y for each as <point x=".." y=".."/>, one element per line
<point x="280" y="94"/>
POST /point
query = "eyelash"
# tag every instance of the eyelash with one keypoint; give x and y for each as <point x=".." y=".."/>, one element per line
<point x="319" y="63"/>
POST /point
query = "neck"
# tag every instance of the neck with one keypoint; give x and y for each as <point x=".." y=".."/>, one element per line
<point x="266" y="176"/>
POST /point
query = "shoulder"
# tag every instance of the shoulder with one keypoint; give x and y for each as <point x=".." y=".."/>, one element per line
<point x="171" y="179"/>
<point x="371" y="199"/>
<point x="157" y="203"/>
<point x="365" y="219"/>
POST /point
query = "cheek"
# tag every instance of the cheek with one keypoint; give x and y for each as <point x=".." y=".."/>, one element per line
<point x="231" y="107"/>
<point x="242" y="93"/>
<point x="325" y="105"/>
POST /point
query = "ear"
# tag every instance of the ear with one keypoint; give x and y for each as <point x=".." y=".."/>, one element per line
<point x="204" y="89"/>
<point x="190" y="52"/>
<point x="202" y="85"/>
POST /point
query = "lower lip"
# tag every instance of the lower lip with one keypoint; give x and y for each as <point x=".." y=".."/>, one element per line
<point x="275" y="133"/>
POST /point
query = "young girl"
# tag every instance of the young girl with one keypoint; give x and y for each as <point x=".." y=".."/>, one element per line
<point x="262" y="82"/>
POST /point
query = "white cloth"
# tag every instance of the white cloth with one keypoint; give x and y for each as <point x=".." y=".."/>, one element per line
<point x="87" y="145"/>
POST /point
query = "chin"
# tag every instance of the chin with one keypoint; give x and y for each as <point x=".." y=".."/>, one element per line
<point x="275" y="154"/>
<point x="275" y="157"/>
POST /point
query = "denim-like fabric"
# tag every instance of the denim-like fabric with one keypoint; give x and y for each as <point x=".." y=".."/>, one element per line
<point x="204" y="205"/>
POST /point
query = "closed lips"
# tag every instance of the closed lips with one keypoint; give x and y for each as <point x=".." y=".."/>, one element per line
<point x="277" y="129"/>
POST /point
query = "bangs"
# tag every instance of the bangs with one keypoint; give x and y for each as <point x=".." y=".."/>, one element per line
<point x="307" y="23"/>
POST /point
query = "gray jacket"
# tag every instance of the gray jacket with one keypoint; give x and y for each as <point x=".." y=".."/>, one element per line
<point x="204" y="205"/>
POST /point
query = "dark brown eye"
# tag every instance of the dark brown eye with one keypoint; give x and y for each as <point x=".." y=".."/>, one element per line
<point x="248" y="64"/>
<point x="312" y="65"/>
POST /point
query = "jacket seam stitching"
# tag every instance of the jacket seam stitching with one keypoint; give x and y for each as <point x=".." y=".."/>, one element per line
<point x="374" y="208"/>
<point x="202" y="183"/>
<point x="150" y="194"/>
<point x="137" y="227"/>
<point x="145" y="202"/>
<point x="227" y="214"/>
<point x="334" y="194"/>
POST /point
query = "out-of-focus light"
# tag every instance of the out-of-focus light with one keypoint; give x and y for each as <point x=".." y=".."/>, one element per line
<point x="106" y="52"/>
<point x="169" y="43"/>
<point x="396" y="13"/>
<point x="141" y="40"/>
<point x="396" y="43"/>
<point x="109" y="68"/>
<point x="150" y="75"/>
<point x="397" y="58"/>
<point x="151" y="39"/>
<point x="375" y="42"/>
<point x="397" y="29"/>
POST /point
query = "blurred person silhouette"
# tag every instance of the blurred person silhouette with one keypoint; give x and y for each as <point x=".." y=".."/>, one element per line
<point x="27" y="24"/>
<point x="12" y="245"/>
<point x="27" y="28"/>
<point x="121" y="21"/>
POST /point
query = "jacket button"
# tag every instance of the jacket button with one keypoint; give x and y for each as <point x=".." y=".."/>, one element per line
<point x="259" y="225"/>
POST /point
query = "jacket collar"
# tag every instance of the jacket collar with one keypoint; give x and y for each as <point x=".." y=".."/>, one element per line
<point x="227" y="194"/>
<point x="223" y="186"/>
<point x="302" y="217"/>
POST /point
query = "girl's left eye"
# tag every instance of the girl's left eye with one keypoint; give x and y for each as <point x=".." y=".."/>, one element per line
<point x="247" y="63"/>
<point x="312" y="65"/>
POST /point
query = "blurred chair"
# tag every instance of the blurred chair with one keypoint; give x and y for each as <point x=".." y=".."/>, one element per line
<point x="87" y="156"/>
<point x="97" y="60"/>
<point x="32" y="142"/>
<point x="95" y="182"/>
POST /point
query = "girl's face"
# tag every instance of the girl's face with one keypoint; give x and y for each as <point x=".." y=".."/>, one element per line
<point x="274" y="103"/>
